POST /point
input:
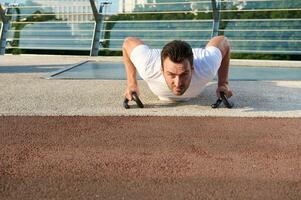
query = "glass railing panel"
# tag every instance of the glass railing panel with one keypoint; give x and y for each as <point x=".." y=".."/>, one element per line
<point x="50" y="24"/>
<point x="264" y="26"/>
<point x="256" y="25"/>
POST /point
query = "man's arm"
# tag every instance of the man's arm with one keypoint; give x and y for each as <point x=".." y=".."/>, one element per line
<point x="128" y="45"/>
<point x="222" y="43"/>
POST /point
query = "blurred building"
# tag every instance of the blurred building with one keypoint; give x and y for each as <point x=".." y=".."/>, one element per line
<point x="128" y="6"/>
<point x="69" y="10"/>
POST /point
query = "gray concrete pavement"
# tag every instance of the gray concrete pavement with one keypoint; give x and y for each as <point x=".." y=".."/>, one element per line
<point x="24" y="92"/>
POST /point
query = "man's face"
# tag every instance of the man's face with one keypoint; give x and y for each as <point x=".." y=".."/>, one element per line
<point x="177" y="75"/>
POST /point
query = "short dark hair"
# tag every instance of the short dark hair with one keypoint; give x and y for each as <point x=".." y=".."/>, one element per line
<point x="177" y="51"/>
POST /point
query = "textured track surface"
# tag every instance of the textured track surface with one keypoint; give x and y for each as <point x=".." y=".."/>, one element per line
<point x="150" y="158"/>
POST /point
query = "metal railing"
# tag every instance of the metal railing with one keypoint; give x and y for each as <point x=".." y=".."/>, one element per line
<point x="252" y="26"/>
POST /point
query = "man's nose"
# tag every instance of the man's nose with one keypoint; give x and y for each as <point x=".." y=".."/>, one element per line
<point x="178" y="81"/>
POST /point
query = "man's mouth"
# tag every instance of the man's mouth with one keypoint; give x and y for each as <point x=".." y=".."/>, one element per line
<point x="178" y="90"/>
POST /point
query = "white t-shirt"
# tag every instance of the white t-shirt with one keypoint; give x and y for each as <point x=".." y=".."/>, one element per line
<point x="148" y="64"/>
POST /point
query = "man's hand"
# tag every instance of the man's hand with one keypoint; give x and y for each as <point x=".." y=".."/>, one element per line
<point x="129" y="90"/>
<point x="224" y="88"/>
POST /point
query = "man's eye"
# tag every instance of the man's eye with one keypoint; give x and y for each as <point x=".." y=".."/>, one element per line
<point x="185" y="74"/>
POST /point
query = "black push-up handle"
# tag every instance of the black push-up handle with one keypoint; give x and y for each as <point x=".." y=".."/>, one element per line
<point x="223" y="99"/>
<point x="135" y="98"/>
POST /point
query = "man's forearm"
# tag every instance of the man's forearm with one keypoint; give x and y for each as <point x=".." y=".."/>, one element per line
<point x="130" y="69"/>
<point x="224" y="70"/>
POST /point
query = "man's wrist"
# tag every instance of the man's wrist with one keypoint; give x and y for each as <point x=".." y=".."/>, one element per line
<point x="132" y="83"/>
<point x="222" y="83"/>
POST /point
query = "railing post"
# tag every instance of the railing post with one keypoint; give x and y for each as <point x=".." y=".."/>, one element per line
<point x="216" y="6"/>
<point x="4" y="29"/>
<point x="98" y="15"/>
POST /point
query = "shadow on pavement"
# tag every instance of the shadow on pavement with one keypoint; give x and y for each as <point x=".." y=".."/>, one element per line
<point x="251" y="96"/>
<point x="32" y="68"/>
